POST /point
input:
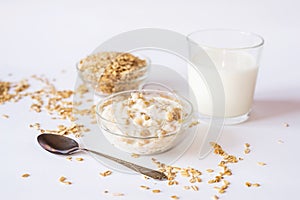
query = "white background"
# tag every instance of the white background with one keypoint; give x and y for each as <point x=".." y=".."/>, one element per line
<point x="46" y="37"/>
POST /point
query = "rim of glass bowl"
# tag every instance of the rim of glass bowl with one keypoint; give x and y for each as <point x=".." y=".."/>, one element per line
<point x="258" y="44"/>
<point x="181" y="98"/>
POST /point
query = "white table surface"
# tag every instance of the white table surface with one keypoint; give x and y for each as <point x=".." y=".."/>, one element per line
<point x="40" y="37"/>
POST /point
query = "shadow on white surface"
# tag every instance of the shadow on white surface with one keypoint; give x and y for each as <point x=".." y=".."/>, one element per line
<point x="268" y="109"/>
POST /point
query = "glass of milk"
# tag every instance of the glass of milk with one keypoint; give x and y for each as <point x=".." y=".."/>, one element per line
<point x="235" y="56"/>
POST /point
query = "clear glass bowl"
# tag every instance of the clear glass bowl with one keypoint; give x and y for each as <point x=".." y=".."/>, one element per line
<point x="143" y="140"/>
<point x="133" y="80"/>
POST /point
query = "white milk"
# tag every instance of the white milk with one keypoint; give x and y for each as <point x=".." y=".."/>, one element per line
<point x="238" y="72"/>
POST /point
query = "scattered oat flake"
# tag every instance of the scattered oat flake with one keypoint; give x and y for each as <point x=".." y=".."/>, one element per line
<point x="144" y="187"/>
<point x="195" y="188"/>
<point x="256" y="185"/>
<point x="82" y="89"/>
<point x="192" y="180"/>
<point x="215" y="197"/>
<point x="210" y="170"/>
<point x="185" y="173"/>
<point x="106" y="173"/>
<point x="174" y="197"/>
<point x="5" y="116"/>
<point x="26" y="175"/>
<point x="226" y="182"/>
<point x="247" y="151"/>
<point x="247" y="145"/>
<point x="36" y="126"/>
<point x="62" y="179"/>
<point x="69" y="158"/>
<point x="248" y="184"/>
<point x="186" y="187"/>
<point x="221" y="191"/>
<point x="118" y="194"/>
<point x="195" y="123"/>
<point x="261" y="163"/>
<point x="79" y="159"/>
<point x="156" y="191"/>
<point x="135" y="155"/>
<point x="172" y="182"/>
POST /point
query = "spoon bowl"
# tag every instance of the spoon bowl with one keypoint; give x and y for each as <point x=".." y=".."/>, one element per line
<point x="58" y="144"/>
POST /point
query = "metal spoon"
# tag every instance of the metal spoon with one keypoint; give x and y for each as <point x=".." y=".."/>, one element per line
<point x="66" y="146"/>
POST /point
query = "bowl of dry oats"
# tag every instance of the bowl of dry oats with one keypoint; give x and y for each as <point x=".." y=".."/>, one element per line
<point x="111" y="72"/>
<point x="144" y="122"/>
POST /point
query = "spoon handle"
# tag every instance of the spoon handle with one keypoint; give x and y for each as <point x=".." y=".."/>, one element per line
<point x="140" y="169"/>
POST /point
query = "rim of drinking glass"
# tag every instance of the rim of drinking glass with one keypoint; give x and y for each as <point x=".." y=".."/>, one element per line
<point x="259" y="44"/>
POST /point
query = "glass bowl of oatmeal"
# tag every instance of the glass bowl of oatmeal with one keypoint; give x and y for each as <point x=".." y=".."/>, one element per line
<point x="144" y="121"/>
<point x="112" y="72"/>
